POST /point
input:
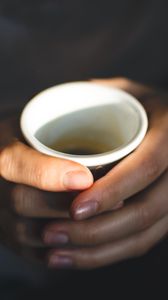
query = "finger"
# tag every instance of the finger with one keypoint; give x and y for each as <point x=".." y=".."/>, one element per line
<point x="28" y="233"/>
<point x="131" y="175"/>
<point x="17" y="232"/>
<point x="127" y="85"/>
<point x="89" y="258"/>
<point x="22" y="164"/>
<point x="22" y="236"/>
<point x="33" y="203"/>
<point x="141" y="214"/>
<point x="154" y="100"/>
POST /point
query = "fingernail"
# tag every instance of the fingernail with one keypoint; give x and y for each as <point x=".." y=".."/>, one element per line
<point x="58" y="238"/>
<point x="86" y="210"/>
<point x="77" y="180"/>
<point x="56" y="261"/>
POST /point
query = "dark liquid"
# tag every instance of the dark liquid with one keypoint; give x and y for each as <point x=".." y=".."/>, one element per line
<point x="77" y="146"/>
<point x="78" y="151"/>
<point x="88" y="131"/>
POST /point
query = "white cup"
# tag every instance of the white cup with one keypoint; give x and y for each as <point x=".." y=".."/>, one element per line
<point x="111" y="114"/>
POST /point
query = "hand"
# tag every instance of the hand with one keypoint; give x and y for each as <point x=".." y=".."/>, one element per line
<point x="24" y="208"/>
<point x="140" y="181"/>
<point x="22" y="164"/>
<point x="24" y="211"/>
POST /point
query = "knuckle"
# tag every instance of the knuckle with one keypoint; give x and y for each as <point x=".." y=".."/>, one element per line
<point x="37" y="175"/>
<point x="90" y="237"/>
<point x="95" y="259"/>
<point x="19" y="204"/>
<point x="89" y="259"/>
<point x="144" y="217"/>
<point x="41" y="174"/>
<point x="110" y="192"/>
<point x="84" y="234"/>
<point x="152" y="167"/>
<point x="142" y="247"/>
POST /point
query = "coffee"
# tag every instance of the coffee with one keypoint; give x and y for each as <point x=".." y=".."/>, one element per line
<point x="86" y="132"/>
<point x="79" y="145"/>
<point x="84" y="118"/>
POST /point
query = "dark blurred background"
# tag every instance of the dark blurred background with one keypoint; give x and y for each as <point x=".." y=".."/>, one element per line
<point x="46" y="42"/>
<point x="43" y="43"/>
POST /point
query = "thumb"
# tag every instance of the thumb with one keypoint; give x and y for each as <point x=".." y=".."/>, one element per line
<point x="22" y="164"/>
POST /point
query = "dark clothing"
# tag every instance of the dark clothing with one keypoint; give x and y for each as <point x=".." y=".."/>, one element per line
<point x="43" y="43"/>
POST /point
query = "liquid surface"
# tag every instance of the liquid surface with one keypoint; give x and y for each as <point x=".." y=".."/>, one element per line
<point x="79" y="146"/>
<point x="88" y="131"/>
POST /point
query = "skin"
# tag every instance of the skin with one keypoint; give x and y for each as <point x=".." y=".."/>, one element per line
<point x="122" y="215"/>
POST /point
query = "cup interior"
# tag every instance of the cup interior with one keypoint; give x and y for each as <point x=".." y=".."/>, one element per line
<point x="94" y="125"/>
<point x="89" y="113"/>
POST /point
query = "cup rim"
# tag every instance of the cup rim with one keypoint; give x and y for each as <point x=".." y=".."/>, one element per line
<point x="94" y="160"/>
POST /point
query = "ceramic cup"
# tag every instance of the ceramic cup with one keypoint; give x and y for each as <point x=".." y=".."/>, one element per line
<point x="103" y="113"/>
